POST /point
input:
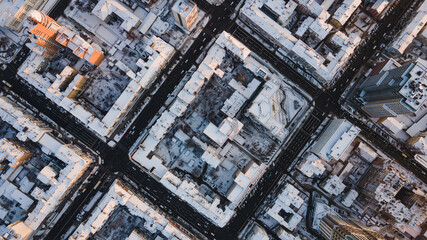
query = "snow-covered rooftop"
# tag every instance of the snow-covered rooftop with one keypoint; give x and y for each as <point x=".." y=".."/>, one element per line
<point x="251" y="10"/>
<point x="120" y="194"/>
<point x="226" y="41"/>
<point x="211" y="158"/>
<point x="367" y="152"/>
<point x="104" y="8"/>
<point x="320" y="28"/>
<point x="215" y="134"/>
<point x="14" y="152"/>
<point x="80" y="47"/>
<point x="74" y="159"/>
<point x="343" y="13"/>
<point x="335" y="139"/>
<point x="282" y="211"/>
<point x="308" y="54"/>
<point x="267" y="109"/>
<point x="349" y="198"/>
<point x="46" y="175"/>
<point x="183" y="7"/>
<point x="408" y="34"/>
<point x="414" y="90"/>
<point x="333" y="185"/>
<point x="312" y="165"/>
<point x="254" y="12"/>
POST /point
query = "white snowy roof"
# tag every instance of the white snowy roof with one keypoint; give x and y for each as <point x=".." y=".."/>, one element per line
<point x="18" y="230"/>
<point x="242" y="180"/>
<point x="285" y="235"/>
<point x="210" y="159"/>
<point x="290" y="196"/>
<point x="104" y="8"/>
<point x="415" y="89"/>
<point x="215" y="134"/>
<point x="230" y="127"/>
<point x="308" y="54"/>
<point x="267" y="109"/>
<point x="24" y="201"/>
<point x="284" y="215"/>
<point x="320" y="28"/>
<point x="333" y="185"/>
<point x="393" y="124"/>
<point x="233" y="104"/>
<point x="424" y="33"/>
<point x="314" y="7"/>
<point x="134" y="235"/>
<point x="409" y="33"/>
<point x="225" y="40"/>
<point x="50" y="142"/>
<point x="245" y="91"/>
<point x="153" y="165"/>
<point x="282" y="211"/>
<point x="253" y="170"/>
<point x="421" y="159"/>
<point x="367" y="152"/>
<point x="380" y="5"/>
<point x="46" y="174"/>
<point x="235" y="193"/>
<point x="11" y="150"/>
<point x="420" y="144"/>
<point x="125" y="99"/>
<point x="162" y="47"/>
<point x="147" y="22"/>
<point x="119" y="194"/>
<point x="206" y="70"/>
<point x="178" y="107"/>
<point x="350" y="197"/>
<point x="343" y="13"/>
<point x="304" y="26"/>
<point x="312" y="166"/>
<point x="3" y="212"/>
<point x="417" y="127"/>
<point x="335" y="139"/>
<point x="251" y="10"/>
<point x="183" y="7"/>
<point x="162" y="125"/>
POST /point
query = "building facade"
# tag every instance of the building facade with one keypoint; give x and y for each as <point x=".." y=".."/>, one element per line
<point x="397" y="91"/>
<point x="43" y="30"/>
<point x="14" y="152"/>
<point x="185" y="13"/>
<point x="334" y="227"/>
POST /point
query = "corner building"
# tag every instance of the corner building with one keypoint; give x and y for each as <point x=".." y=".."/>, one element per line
<point x="398" y="91"/>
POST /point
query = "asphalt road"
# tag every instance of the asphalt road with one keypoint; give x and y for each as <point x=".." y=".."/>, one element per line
<point x="117" y="159"/>
<point x="69" y="217"/>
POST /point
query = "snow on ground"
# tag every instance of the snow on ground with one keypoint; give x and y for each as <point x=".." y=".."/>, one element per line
<point x="104" y="88"/>
<point x="7" y="131"/>
<point x="293" y="104"/>
<point x="210" y="100"/>
<point x="363" y="21"/>
<point x="119" y="225"/>
<point x="257" y="141"/>
<point x="220" y="179"/>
